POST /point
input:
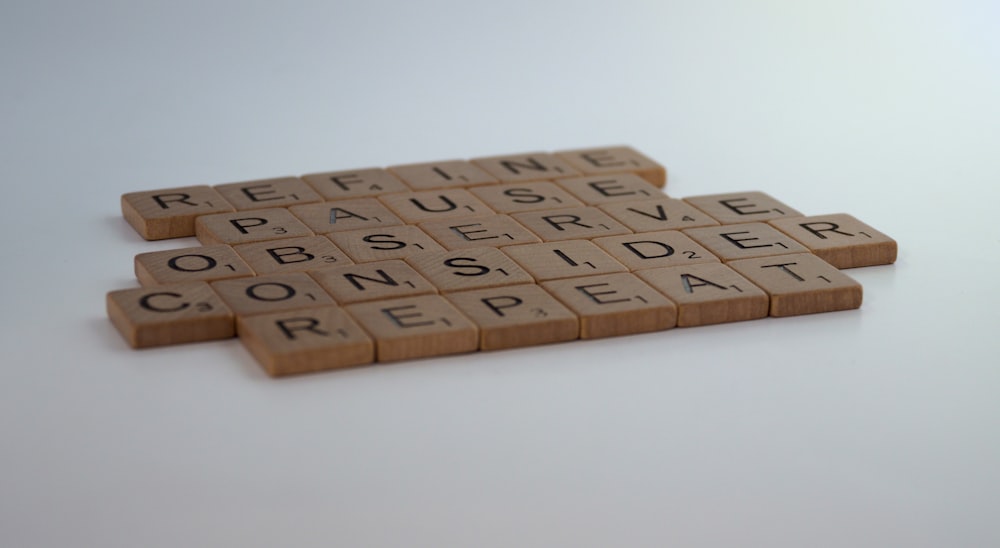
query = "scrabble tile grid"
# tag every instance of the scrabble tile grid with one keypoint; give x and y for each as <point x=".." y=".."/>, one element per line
<point x="350" y="268"/>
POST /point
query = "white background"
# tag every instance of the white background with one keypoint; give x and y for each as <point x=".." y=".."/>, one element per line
<point x="878" y="427"/>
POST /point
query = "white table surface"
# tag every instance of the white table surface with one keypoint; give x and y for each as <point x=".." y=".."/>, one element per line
<point x="878" y="427"/>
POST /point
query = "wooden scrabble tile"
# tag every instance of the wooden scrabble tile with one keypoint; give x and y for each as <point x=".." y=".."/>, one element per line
<point x="302" y="341"/>
<point x="381" y="244"/>
<point x="534" y="166"/>
<point x="518" y="315"/>
<point x="245" y="227"/>
<point x="840" y="239"/>
<point x="372" y="281"/>
<point x="606" y="189"/>
<point x="655" y="250"/>
<point x="603" y="161"/>
<point x="708" y="293"/>
<point x="495" y="231"/>
<point x="614" y="304"/>
<point x="742" y="207"/>
<point x="657" y="214"/>
<point x="170" y="212"/>
<point x="568" y="259"/>
<point x="327" y="217"/>
<point x="417" y="207"/>
<point x="268" y="193"/>
<point x="466" y="269"/>
<point x="292" y="255"/>
<point x="170" y="314"/>
<point x="444" y="174"/>
<point x="577" y="223"/>
<point x="731" y="242"/>
<point x="801" y="284"/>
<point x="271" y="293"/>
<point x="357" y="183"/>
<point x="517" y="197"/>
<point x="415" y="327"/>
<point x="190" y="264"/>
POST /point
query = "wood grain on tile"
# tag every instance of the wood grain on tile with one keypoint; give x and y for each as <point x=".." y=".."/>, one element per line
<point x="567" y="259"/>
<point x="415" y="327"/>
<point x="243" y="227"/>
<point x="577" y="223"/>
<point x="515" y="316"/>
<point x="493" y="231"/>
<point x="731" y="242"/>
<point x="381" y="244"/>
<point x="840" y="239"/>
<point x="518" y="197"/>
<point x="268" y="193"/>
<point x="418" y="207"/>
<point x="619" y="159"/>
<point x="327" y="217"/>
<point x="614" y="304"/>
<point x="190" y="264"/>
<point x="170" y="314"/>
<point x="372" y="281"/>
<point x="465" y="269"/>
<point x="655" y="250"/>
<point x="356" y="183"/>
<point x="292" y="255"/>
<point x="606" y="189"/>
<point x="708" y="293"/>
<point x="801" y="284"/>
<point x="742" y="207"/>
<point x="522" y="168"/>
<point x="170" y="212"/>
<point x="444" y="174"/>
<point x="657" y="214"/>
<point x="271" y="293"/>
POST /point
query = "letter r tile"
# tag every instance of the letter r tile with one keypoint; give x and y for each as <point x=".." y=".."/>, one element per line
<point x="840" y="239"/>
<point x="170" y="212"/>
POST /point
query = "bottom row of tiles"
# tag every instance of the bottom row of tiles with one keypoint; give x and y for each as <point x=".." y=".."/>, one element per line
<point x="332" y="336"/>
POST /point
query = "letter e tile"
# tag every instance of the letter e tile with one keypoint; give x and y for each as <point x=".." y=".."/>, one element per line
<point x="415" y="327"/>
<point x="614" y="304"/>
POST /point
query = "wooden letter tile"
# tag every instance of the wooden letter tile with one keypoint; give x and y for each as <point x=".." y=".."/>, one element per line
<point x="519" y="315"/>
<point x="514" y="198"/>
<point x="292" y="255"/>
<point x="568" y="259"/>
<point x="658" y="214"/>
<point x="170" y="212"/>
<point x="801" y="284"/>
<point x="372" y="281"/>
<point x="381" y="244"/>
<point x="607" y="160"/>
<point x="708" y="293"/>
<point x="606" y="189"/>
<point x="655" y="250"/>
<point x="170" y="314"/>
<point x="731" y="242"/>
<point x="522" y="168"/>
<point x="302" y="341"/>
<point x="415" y="327"/>
<point x="267" y="193"/>
<point x="326" y="217"/>
<point x="446" y="174"/>
<point x="495" y="231"/>
<point x="417" y="207"/>
<point x="190" y="264"/>
<point x="742" y="207"/>
<point x="614" y="304"/>
<point x="840" y="240"/>
<point x="271" y="293"/>
<point x="245" y="227"/>
<point x="465" y="269"/>
<point x="358" y="183"/>
<point x="578" y="223"/>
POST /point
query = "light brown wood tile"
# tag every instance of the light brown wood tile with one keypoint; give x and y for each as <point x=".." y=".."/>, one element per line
<point x="190" y="264"/>
<point x="418" y="207"/>
<point x="655" y="250"/>
<point x="657" y="214"/>
<point x="303" y="341"/>
<point x="614" y="304"/>
<point x="568" y="259"/>
<point x="268" y="193"/>
<point x="517" y="197"/>
<point x="243" y="227"/>
<point x="494" y="231"/>
<point x="518" y="315"/>
<point x="444" y="174"/>
<point x="356" y="183"/>
<point x="620" y="159"/>
<point x="731" y="242"/>
<point x="708" y="293"/>
<point x="605" y="189"/>
<point x="271" y="293"/>
<point x="170" y="314"/>
<point x="170" y="212"/>
<point x="381" y="244"/>
<point x="801" y="284"/>
<point x="522" y="168"/>
<point x="742" y="207"/>
<point x="292" y="255"/>
<point x="840" y="239"/>
<point x="577" y="223"/>
<point x="466" y="269"/>
<point x="415" y="327"/>
<point x="372" y="281"/>
<point x="327" y="217"/>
